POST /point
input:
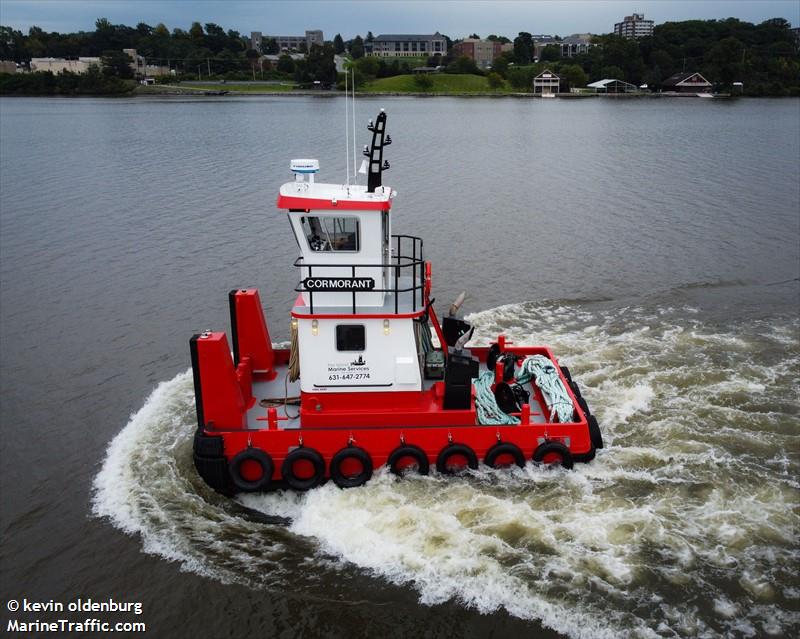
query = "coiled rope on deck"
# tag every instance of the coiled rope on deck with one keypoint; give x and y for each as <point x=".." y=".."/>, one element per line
<point x="543" y="373"/>
<point x="489" y="412"/>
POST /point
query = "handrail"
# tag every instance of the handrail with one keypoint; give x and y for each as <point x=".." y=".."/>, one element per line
<point x="398" y="261"/>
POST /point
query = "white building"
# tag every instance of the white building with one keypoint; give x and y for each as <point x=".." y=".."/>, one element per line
<point x="60" y="65"/>
<point x="406" y="45"/>
<point x="576" y="44"/>
<point x="546" y="83"/>
<point x="288" y="43"/>
<point x="634" y="26"/>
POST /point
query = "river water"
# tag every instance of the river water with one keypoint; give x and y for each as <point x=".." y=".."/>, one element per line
<point x="654" y="244"/>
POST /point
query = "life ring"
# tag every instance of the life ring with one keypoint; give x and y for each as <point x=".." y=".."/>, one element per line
<point x="251" y="470"/>
<point x="498" y="456"/>
<point x="351" y="467"/>
<point x="303" y="469"/>
<point x="551" y="453"/>
<point x="594" y="432"/>
<point x="452" y="453"/>
<point x="406" y="457"/>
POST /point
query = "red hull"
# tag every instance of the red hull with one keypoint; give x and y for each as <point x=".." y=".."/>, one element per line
<point x="228" y="449"/>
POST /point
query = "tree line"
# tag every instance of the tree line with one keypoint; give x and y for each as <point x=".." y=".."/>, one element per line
<point x="764" y="57"/>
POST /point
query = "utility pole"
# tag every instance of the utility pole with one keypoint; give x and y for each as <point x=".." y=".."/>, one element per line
<point x="208" y="62"/>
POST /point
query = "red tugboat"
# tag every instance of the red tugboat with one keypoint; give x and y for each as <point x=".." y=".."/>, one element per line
<point x="365" y="382"/>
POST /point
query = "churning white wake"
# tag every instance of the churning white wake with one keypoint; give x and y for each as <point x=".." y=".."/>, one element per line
<point x="685" y="525"/>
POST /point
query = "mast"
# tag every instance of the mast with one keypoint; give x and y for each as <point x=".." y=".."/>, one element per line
<point x="377" y="165"/>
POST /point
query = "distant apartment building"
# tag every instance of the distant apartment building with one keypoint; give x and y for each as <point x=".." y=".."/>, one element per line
<point x="60" y="65"/>
<point x="288" y="43"/>
<point x="8" y="66"/>
<point x="634" y="26"/>
<point x="482" y="52"/>
<point x="406" y="45"/>
<point x="540" y="41"/>
<point x="576" y="44"/>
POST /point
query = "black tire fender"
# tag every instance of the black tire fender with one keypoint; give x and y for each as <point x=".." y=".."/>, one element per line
<point x="303" y="483"/>
<point x="408" y="450"/>
<point x="567" y="375"/>
<point x="351" y="452"/>
<point x="256" y="455"/>
<point x="594" y="432"/>
<point x="504" y="448"/>
<point x="584" y="406"/>
<point x="553" y="448"/>
<point x="450" y="451"/>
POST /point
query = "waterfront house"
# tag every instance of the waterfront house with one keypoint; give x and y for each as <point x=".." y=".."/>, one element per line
<point x="686" y="82"/>
<point x="546" y="83"/>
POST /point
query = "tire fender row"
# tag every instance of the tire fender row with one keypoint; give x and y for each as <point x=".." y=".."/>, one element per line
<point x="252" y="469"/>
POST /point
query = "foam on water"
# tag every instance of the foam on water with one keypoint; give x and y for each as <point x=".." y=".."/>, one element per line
<point x="685" y="524"/>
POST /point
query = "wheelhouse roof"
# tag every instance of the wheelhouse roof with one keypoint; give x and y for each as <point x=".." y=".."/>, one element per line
<point x="319" y="196"/>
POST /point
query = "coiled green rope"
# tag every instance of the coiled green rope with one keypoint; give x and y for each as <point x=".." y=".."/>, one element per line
<point x="544" y="374"/>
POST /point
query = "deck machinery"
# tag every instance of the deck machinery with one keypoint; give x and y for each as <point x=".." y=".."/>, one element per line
<point x="372" y="376"/>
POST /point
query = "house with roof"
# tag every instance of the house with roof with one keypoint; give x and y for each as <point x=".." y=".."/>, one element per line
<point x="408" y="45"/>
<point x="611" y="85"/>
<point x="687" y="82"/>
<point x="546" y="83"/>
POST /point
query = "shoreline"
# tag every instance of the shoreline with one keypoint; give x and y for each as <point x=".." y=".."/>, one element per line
<point x="185" y="91"/>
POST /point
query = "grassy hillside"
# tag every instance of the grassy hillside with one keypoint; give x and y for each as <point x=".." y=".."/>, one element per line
<point x="442" y="83"/>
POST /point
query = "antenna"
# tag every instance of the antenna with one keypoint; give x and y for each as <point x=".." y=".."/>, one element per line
<point x="346" y="133"/>
<point x="353" y="111"/>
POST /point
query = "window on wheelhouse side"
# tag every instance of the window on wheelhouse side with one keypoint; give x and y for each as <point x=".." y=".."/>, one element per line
<point x="339" y="234"/>
<point x="350" y="337"/>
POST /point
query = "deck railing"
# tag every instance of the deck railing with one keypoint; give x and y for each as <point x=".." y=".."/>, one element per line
<point x="407" y="258"/>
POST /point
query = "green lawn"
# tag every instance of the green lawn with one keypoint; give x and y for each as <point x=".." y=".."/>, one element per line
<point x="442" y="83"/>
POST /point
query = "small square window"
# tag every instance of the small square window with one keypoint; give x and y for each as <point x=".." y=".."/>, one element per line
<point x="350" y="337"/>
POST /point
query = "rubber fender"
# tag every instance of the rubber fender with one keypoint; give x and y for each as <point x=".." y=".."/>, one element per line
<point x="547" y="453"/>
<point x="303" y="454"/>
<point x="504" y="448"/>
<point x="257" y="456"/>
<point x="361" y="456"/>
<point x="406" y="451"/>
<point x="455" y="450"/>
<point x="594" y="432"/>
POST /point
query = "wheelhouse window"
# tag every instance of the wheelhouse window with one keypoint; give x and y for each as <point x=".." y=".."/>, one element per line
<point x="350" y="337"/>
<point x="332" y="233"/>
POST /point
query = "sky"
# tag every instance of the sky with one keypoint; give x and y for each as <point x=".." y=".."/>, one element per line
<point x="454" y="18"/>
